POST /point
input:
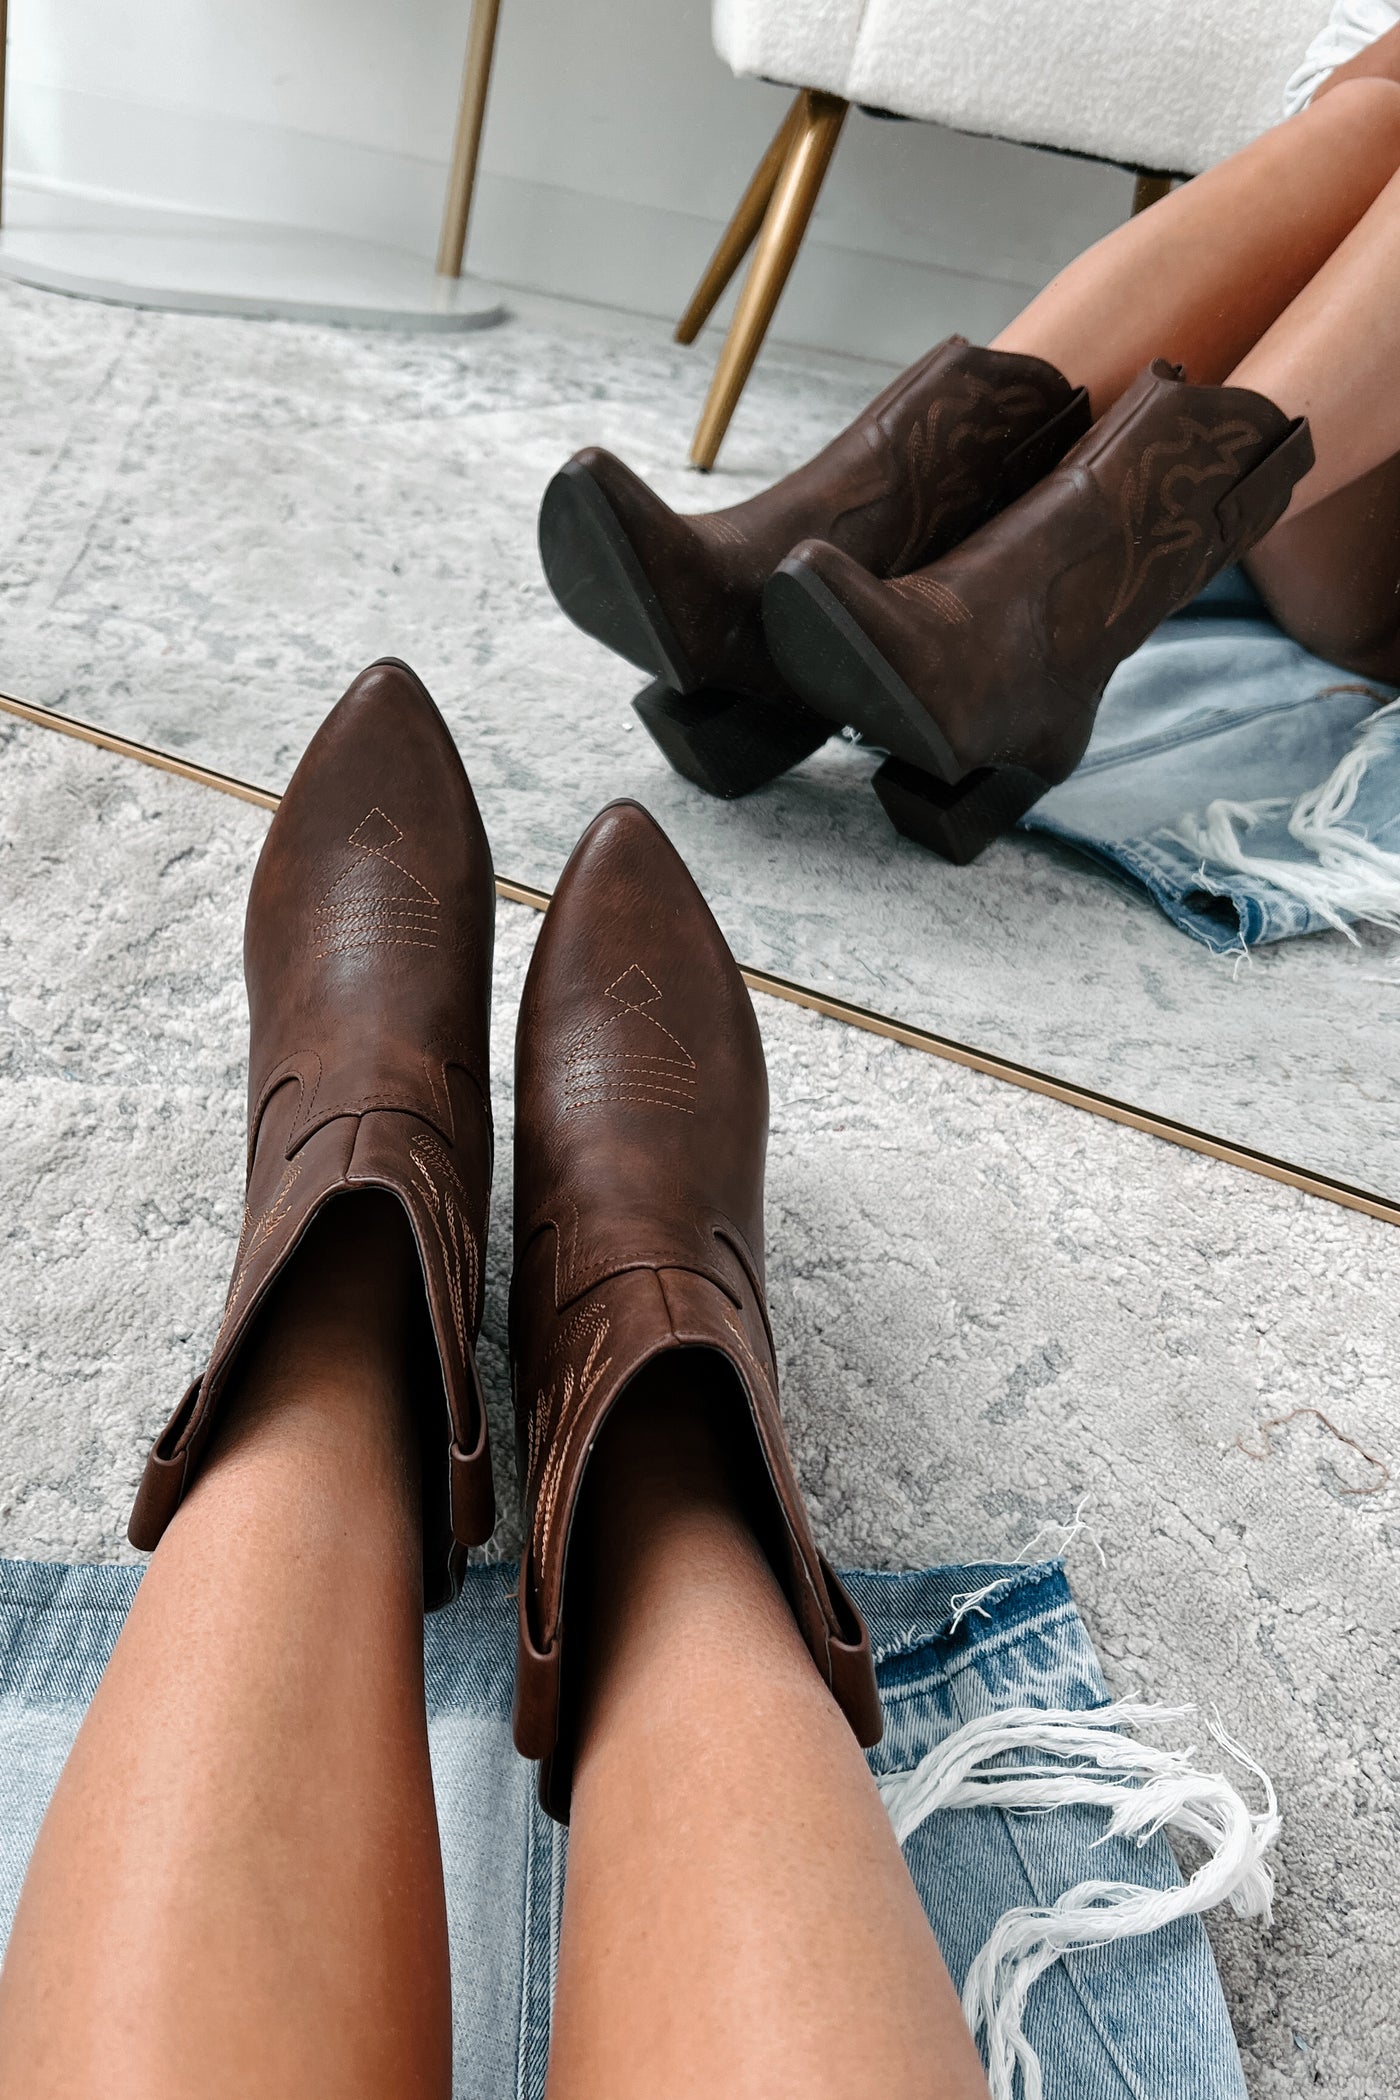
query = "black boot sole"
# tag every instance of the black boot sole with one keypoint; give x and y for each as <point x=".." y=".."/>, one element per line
<point x="599" y="582"/>
<point x="956" y="822"/>
<point x="730" y="743"/>
<point x="828" y="658"/>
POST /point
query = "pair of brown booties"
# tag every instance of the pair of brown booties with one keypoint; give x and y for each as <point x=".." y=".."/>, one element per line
<point x="956" y="577"/>
<point x="641" y="1127"/>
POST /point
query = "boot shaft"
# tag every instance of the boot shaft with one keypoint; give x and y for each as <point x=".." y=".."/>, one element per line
<point x="993" y="659"/>
<point x="949" y="442"/>
<point x="1170" y="486"/>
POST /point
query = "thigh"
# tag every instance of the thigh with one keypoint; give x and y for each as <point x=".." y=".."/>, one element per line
<point x="1331" y="578"/>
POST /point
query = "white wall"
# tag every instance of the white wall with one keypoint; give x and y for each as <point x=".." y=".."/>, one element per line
<point x="616" y="146"/>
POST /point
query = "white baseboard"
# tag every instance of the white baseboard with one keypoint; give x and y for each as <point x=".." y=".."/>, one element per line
<point x="533" y="235"/>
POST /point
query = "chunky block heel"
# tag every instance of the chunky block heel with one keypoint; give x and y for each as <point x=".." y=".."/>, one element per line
<point x="729" y="743"/>
<point x="956" y="822"/>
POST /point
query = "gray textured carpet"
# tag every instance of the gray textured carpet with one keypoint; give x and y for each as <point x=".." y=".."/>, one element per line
<point x="988" y="1306"/>
<point x="206" y="527"/>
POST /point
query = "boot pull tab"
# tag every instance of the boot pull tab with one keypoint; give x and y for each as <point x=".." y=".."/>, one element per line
<point x="1247" y="511"/>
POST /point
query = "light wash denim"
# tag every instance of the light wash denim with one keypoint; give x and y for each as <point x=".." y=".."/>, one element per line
<point x="1144" y="2019"/>
<point x="1219" y="706"/>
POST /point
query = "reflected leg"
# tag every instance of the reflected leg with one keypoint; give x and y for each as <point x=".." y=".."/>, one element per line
<point x="737" y="1915"/>
<point x="237" y="1888"/>
<point x="1330" y="570"/>
<point x="1331" y="577"/>
<point x="1203" y="274"/>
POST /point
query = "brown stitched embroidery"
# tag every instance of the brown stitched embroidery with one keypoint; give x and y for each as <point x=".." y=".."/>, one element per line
<point x="944" y="484"/>
<point x="377" y="838"/>
<point x="596" y="1072"/>
<point x="943" y="601"/>
<point x="257" y="1230"/>
<point x="440" y="1186"/>
<point x="633" y="1096"/>
<point x="363" y="908"/>
<point x="1164" y="479"/>
<point x="920" y="454"/>
<point x="746" y="1349"/>
<point x="569" y="1388"/>
<point x="723" y="530"/>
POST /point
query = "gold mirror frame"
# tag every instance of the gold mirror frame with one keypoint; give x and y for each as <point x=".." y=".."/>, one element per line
<point x="766" y="982"/>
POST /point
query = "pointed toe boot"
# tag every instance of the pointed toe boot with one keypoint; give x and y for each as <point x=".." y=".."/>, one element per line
<point x="641" y="1126"/>
<point x="981" y="673"/>
<point x="948" y="443"/>
<point x="367" y="952"/>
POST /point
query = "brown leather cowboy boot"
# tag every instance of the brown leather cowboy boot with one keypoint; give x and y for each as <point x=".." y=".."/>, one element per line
<point x="367" y="951"/>
<point x="982" y="673"/>
<point x="947" y="444"/>
<point x="641" y="1125"/>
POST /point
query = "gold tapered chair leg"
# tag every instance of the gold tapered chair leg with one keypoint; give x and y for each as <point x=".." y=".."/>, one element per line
<point x="814" y="141"/>
<point x="738" y="236"/>
<point x="466" y="147"/>
<point x="1150" y="189"/>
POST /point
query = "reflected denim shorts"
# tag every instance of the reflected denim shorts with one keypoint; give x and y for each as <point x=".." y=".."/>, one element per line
<point x="1141" y="2019"/>
<point x="1250" y="788"/>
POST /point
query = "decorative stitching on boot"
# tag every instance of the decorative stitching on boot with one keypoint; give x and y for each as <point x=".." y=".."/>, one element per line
<point x="570" y="1388"/>
<point x="954" y="485"/>
<point x="649" y="1077"/>
<point x="945" y="602"/>
<point x="359" y="911"/>
<point x="1173" y="531"/>
<point x="440" y="1186"/>
<point x="257" y="1230"/>
<point x="746" y="1350"/>
<point x="367" y="845"/>
<point x="725" y="531"/>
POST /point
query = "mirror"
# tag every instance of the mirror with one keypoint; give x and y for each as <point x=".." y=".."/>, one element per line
<point x="396" y="482"/>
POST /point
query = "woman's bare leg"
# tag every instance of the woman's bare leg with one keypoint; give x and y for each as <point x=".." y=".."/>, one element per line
<point x="237" y="1889"/>
<point x="1331" y="577"/>
<point x="1202" y="275"/>
<point x="1333" y="353"/>
<point x="737" y="1916"/>
<point x="1276" y="270"/>
<point x="1330" y="570"/>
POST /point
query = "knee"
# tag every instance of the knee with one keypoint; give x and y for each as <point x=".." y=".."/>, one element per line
<point x="1369" y="106"/>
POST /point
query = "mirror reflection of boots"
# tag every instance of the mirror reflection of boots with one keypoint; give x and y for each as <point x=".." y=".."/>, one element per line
<point x="981" y="674"/>
<point x="949" y="443"/>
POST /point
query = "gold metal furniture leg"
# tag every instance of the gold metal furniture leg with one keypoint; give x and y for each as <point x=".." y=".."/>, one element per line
<point x="809" y="155"/>
<point x="1148" y="189"/>
<point x="476" y="79"/>
<point x="738" y="235"/>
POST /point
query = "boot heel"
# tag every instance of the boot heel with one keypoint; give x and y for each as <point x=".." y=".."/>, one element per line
<point x="729" y="743"/>
<point x="956" y="822"/>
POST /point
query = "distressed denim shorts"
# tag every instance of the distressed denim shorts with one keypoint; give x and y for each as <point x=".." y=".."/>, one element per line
<point x="1142" y="2018"/>
<point x="1252" y="789"/>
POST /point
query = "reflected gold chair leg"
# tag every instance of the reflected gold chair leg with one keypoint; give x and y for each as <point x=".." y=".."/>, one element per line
<point x="809" y="155"/>
<point x="738" y="235"/>
<point x="1150" y="189"/>
<point x="466" y="147"/>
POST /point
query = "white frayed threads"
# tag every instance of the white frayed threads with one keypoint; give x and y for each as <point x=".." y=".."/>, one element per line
<point x="1352" y="878"/>
<point x="968" y="1601"/>
<point x="1069" y="1533"/>
<point x="1145" y="1788"/>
